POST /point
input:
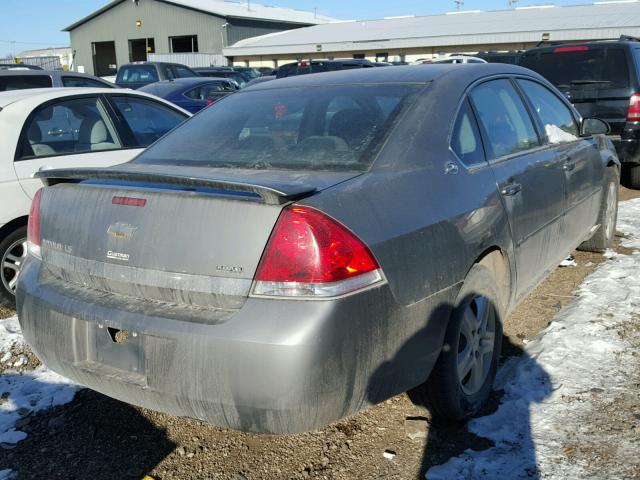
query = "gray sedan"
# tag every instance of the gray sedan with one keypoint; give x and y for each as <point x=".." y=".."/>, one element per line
<point x="24" y="79"/>
<point x="311" y="246"/>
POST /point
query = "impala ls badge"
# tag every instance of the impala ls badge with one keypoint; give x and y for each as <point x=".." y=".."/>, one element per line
<point x="121" y="231"/>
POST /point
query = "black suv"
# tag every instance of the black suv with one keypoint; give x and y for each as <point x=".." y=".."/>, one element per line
<point x="602" y="79"/>
<point x="317" y="66"/>
<point x="138" y="74"/>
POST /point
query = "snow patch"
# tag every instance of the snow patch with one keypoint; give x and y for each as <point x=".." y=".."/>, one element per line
<point x="27" y="392"/>
<point x="549" y="389"/>
<point x="570" y="261"/>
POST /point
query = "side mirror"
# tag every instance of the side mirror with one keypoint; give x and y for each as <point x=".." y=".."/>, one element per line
<point x="594" y="126"/>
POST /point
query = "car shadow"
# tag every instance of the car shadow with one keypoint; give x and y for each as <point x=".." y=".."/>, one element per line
<point x="93" y="436"/>
<point x="450" y="440"/>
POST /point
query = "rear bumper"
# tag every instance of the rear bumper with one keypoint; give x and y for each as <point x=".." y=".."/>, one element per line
<point x="628" y="144"/>
<point x="274" y="366"/>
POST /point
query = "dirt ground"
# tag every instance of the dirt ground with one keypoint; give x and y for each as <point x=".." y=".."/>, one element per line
<point x="100" y="438"/>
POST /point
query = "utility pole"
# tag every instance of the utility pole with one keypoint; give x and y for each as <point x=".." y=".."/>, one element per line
<point x="458" y="3"/>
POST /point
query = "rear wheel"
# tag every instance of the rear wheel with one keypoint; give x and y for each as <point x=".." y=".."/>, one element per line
<point x="607" y="217"/>
<point x="462" y="378"/>
<point x="13" y="251"/>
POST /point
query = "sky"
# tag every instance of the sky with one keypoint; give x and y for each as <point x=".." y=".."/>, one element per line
<point x="37" y="23"/>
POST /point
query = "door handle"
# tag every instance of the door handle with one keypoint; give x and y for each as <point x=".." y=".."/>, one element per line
<point x="511" y="189"/>
<point x="56" y="132"/>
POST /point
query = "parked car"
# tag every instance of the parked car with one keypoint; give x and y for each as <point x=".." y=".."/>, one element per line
<point x="70" y="127"/>
<point x="317" y="66"/>
<point x="18" y="66"/>
<point x="512" y="57"/>
<point x="266" y="71"/>
<point x="601" y="79"/>
<point x="138" y="74"/>
<point x="192" y="94"/>
<point x="24" y="79"/>
<point x="250" y="72"/>
<point x="313" y="245"/>
<point x="240" y="78"/>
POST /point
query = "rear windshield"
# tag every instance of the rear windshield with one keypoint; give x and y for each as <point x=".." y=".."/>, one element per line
<point x="321" y="128"/>
<point x="597" y="68"/>
<point x="138" y="74"/>
<point x="18" y="82"/>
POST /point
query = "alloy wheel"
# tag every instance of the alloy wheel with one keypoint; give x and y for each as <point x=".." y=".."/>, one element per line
<point x="609" y="214"/>
<point x="476" y="344"/>
<point x="12" y="261"/>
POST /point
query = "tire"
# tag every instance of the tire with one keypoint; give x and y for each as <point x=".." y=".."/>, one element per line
<point x="632" y="176"/>
<point x="451" y="396"/>
<point x="13" y="250"/>
<point x="607" y="216"/>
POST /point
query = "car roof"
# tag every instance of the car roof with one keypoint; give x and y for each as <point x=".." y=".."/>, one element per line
<point x="397" y="74"/>
<point x="178" y="84"/>
<point x="193" y="80"/>
<point x="592" y="44"/>
<point x="46" y="94"/>
<point x="52" y="73"/>
<point x="152" y="63"/>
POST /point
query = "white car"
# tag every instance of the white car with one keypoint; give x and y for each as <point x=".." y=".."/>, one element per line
<point x="62" y="128"/>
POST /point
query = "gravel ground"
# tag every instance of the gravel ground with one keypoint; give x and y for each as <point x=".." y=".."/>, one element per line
<point x="100" y="438"/>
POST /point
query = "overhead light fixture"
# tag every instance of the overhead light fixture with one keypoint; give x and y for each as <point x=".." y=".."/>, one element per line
<point x="546" y="37"/>
<point x="138" y="23"/>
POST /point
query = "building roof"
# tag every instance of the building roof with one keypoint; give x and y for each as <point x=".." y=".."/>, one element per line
<point x="229" y="9"/>
<point x="418" y="74"/>
<point x="45" y="52"/>
<point x="519" y="25"/>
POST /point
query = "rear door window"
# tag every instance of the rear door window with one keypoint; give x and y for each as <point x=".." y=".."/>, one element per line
<point x="581" y="67"/>
<point x="184" y="72"/>
<point x="71" y="126"/>
<point x="70" y="81"/>
<point x="148" y="120"/>
<point x="209" y="91"/>
<point x="556" y="118"/>
<point x="465" y="139"/>
<point x="506" y="122"/>
<point x="138" y="74"/>
<point x="21" y="82"/>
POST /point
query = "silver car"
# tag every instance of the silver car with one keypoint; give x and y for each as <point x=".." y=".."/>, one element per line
<point x="314" y="245"/>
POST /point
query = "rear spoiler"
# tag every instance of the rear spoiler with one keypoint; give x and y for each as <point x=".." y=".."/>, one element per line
<point x="277" y="193"/>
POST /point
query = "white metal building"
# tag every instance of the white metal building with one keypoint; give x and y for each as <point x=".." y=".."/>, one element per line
<point x="48" y="58"/>
<point x="410" y="38"/>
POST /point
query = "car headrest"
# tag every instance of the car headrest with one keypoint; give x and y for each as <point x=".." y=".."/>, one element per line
<point x="99" y="133"/>
<point x="353" y="125"/>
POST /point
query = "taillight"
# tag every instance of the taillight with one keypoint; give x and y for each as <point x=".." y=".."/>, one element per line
<point x="33" y="228"/>
<point x="633" y="113"/>
<point x="129" y="201"/>
<point x="571" y="48"/>
<point x="309" y="254"/>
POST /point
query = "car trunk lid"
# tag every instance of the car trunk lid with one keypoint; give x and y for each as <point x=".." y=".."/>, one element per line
<point x="177" y="235"/>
